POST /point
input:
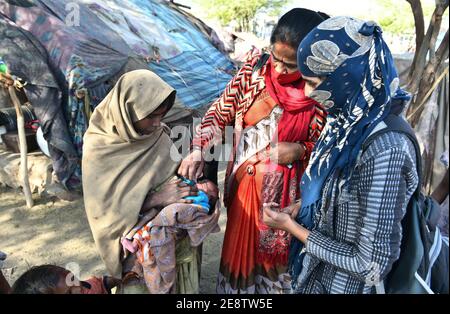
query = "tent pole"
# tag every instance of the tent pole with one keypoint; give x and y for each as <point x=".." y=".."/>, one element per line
<point x="23" y="147"/>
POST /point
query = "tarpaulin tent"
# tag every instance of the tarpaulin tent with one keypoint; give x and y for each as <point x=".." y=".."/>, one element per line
<point x="88" y="44"/>
<point x="28" y="59"/>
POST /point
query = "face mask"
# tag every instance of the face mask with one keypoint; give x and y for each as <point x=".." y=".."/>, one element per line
<point x="287" y="78"/>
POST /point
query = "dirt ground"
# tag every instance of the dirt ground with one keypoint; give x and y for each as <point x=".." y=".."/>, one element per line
<point x="57" y="232"/>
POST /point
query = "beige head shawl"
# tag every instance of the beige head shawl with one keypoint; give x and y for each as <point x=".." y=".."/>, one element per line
<point x="120" y="166"/>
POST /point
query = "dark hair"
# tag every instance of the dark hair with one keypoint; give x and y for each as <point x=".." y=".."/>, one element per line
<point x="38" y="280"/>
<point x="295" y="25"/>
<point x="323" y="15"/>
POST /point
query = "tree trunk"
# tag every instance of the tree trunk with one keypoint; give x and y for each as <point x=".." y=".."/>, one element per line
<point x="428" y="66"/>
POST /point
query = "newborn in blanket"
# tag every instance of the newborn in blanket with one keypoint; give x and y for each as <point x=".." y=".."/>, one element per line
<point x="154" y="239"/>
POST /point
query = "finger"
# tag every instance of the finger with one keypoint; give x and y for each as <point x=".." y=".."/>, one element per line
<point x="199" y="171"/>
<point x="191" y="172"/>
<point x="176" y="181"/>
<point x="187" y="188"/>
<point x="271" y="204"/>
<point x="267" y="218"/>
<point x="194" y="189"/>
<point x="270" y="213"/>
<point x="266" y="211"/>
<point x="183" y="185"/>
<point x="295" y="212"/>
<point x="182" y="169"/>
<point x="188" y="193"/>
<point x="184" y="190"/>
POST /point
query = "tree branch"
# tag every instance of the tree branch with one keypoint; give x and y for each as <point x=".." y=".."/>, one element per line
<point x="442" y="53"/>
<point x="436" y="21"/>
<point x="419" y="21"/>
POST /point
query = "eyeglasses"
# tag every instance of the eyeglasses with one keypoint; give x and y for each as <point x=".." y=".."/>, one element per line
<point x="289" y="66"/>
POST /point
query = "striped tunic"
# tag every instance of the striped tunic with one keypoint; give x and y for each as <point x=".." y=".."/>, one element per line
<point x="358" y="230"/>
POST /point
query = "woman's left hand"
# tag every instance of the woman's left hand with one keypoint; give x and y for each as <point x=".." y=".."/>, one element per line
<point x="275" y="219"/>
<point x="284" y="221"/>
<point x="285" y="153"/>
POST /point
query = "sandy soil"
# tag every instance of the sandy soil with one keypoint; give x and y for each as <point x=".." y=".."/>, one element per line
<point x="57" y="232"/>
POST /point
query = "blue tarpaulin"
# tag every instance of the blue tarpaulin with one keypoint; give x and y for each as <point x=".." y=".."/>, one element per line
<point x="89" y="44"/>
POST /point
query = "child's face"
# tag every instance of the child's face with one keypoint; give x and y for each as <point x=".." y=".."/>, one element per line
<point x="68" y="284"/>
<point x="152" y="122"/>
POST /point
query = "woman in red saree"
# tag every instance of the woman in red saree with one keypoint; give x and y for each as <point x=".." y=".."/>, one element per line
<point x="276" y="127"/>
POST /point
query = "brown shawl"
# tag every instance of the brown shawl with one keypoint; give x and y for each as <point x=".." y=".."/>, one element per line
<point x="120" y="166"/>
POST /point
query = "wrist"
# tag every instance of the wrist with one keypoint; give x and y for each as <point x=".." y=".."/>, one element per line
<point x="152" y="202"/>
<point x="298" y="231"/>
<point x="198" y="154"/>
<point x="290" y="226"/>
<point x="196" y="147"/>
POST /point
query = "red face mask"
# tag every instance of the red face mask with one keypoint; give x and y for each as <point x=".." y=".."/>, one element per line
<point x="93" y="286"/>
<point x="287" y="78"/>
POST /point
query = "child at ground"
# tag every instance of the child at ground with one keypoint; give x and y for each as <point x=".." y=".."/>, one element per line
<point x="51" y="279"/>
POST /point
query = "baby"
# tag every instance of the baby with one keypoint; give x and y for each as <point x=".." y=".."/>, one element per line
<point x="207" y="195"/>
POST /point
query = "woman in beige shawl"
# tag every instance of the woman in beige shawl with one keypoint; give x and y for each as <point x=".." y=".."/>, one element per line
<point x="128" y="180"/>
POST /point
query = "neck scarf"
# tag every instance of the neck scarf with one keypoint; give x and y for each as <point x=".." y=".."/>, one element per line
<point x="361" y="83"/>
<point x="286" y="89"/>
<point x="288" y="92"/>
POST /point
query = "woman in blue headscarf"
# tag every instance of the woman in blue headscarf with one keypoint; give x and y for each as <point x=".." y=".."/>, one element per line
<point x="348" y="229"/>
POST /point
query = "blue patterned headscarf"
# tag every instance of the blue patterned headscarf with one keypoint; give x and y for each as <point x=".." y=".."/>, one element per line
<point x="360" y="86"/>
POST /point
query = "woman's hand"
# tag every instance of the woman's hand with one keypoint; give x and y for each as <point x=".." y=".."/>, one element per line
<point x="276" y="219"/>
<point x="192" y="166"/>
<point x="285" y="153"/>
<point x="284" y="221"/>
<point x="172" y="192"/>
<point x="293" y="210"/>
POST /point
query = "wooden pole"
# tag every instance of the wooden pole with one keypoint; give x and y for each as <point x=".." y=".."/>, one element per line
<point x="23" y="147"/>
